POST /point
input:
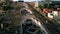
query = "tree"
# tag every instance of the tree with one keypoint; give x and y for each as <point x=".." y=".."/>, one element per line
<point x="6" y="6"/>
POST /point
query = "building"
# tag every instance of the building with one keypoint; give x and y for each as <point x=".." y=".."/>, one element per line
<point x="54" y="15"/>
<point x="34" y="4"/>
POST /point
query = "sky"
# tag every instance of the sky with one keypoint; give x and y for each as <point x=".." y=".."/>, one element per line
<point x="30" y="0"/>
<point x="34" y="0"/>
<point x="15" y="0"/>
<point x="27" y="0"/>
<point x="40" y="0"/>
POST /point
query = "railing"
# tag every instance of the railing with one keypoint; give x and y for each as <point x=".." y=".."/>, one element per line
<point x="36" y="13"/>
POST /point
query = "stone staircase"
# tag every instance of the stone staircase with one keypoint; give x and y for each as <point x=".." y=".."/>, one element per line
<point x="31" y="30"/>
<point x="51" y="26"/>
